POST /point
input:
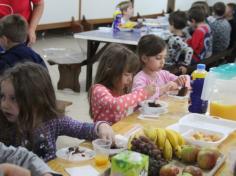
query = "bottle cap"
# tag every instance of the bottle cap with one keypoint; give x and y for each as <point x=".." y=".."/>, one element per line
<point x="201" y="66"/>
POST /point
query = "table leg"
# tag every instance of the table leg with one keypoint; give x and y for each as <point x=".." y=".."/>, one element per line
<point x="92" y="47"/>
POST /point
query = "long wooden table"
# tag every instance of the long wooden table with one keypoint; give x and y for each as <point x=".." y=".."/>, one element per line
<point x="176" y="110"/>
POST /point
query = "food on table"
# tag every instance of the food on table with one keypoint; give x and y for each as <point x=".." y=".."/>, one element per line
<point x="155" y="166"/>
<point x="129" y="163"/>
<point x="75" y="150"/>
<point x="201" y="136"/>
<point x="154" y="104"/>
<point x="182" y="92"/>
<point x="189" y="153"/>
<point x="193" y="170"/>
<point x="207" y="158"/>
<point x="169" y="170"/>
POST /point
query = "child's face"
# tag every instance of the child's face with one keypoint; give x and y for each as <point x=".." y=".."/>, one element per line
<point x="126" y="80"/>
<point x="229" y="11"/>
<point x="9" y="105"/>
<point x="171" y="28"/>
<point x="130" y="11"/>
<point x="155" y="63"/>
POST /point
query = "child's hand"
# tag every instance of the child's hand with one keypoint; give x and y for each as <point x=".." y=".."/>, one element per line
<point x="181" y="80"/>
<point x="150" y="89"/>
<point x="12" y="170"/>
<point x="183" y="70"/>
<point x="105" y="132"/>
<point x="168" y="87"/>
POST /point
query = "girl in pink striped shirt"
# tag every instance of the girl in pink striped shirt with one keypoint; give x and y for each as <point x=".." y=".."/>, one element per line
<point x="152" y="52"/>
<point x="110" y="96"/>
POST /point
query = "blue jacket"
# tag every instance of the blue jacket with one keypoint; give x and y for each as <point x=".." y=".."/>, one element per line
<point x="17" y="54"/>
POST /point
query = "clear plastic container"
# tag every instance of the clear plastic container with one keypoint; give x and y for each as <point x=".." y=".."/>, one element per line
<point x="220" y="89"/>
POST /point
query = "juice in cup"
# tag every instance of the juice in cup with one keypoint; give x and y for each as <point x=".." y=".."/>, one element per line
<point x="223" y="110"/>
<point x="101" y="160"/>
<point x="102" y="149"/>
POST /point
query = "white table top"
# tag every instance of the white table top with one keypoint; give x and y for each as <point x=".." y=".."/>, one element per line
<point x="130" y="38"/>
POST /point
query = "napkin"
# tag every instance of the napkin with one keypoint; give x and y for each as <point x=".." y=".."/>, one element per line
<point x="82" y="171"/>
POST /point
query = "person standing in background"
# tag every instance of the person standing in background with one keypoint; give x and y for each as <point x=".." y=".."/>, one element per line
<point x="31" y="10"/>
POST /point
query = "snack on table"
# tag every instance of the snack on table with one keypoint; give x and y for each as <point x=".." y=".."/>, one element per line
<point x="154" y="104"/>
<point x="205" y="137"/>
<point x="75" y="150"/>
<point x="182" y="92"/>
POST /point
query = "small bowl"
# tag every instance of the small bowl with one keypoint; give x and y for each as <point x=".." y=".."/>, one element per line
<point x="148" y="110"/>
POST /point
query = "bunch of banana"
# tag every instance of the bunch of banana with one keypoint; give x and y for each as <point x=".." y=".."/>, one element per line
<point x="176" y="141"/>
<point x="167" y="140"/>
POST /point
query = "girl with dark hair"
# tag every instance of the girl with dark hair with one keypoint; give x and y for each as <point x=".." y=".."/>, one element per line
<point x="152" y="52"/>
<point x="29" y="115"/>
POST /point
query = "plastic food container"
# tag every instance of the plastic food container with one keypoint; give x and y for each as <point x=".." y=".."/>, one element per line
<point x="148" y="110"/>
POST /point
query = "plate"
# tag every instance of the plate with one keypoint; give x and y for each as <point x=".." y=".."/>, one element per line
<point x="64" y="153"/>
<point x="173" y="94"/>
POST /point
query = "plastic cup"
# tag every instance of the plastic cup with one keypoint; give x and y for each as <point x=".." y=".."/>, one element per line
<point x="102" y="149"/>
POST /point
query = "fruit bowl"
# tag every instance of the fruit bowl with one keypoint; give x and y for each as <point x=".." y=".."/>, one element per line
<point x="150" y="107"/>
<point x="204" y="138"/>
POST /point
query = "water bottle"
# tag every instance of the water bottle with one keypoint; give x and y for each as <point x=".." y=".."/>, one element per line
<point x="196" y="104"/>
<point x="117" y="20"/>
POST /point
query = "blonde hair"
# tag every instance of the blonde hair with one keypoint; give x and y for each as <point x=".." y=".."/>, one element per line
<point x="124" y="5"/>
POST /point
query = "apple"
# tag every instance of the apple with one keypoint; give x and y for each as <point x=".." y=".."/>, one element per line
<point x="207" y="159"/>
<point x="169" y="170"/>
<point x="189" y="153"/>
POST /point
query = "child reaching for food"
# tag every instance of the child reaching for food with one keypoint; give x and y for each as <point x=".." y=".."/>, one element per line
<point x="110" y="96"/>
<point x="29" y="116"/>
<point x="152" y="52"/>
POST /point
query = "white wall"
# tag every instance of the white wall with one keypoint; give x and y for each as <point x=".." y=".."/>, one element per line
<point x="95" y="9"/>
<point x="183" y="4"/>
<point x="148" y="7"/>
<point x="60" y="11"/>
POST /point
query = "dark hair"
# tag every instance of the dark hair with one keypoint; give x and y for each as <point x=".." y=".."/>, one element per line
<point x="205" y="7"/>
<point x="233" y="7"/>
<point x="150" y="45"/>
<point x="14" y="27"/>
<point x="219" y="8"/>
<point x="123" y="6"/>
<point x="196" y="13"/>
<point x="34" y="94"/>
<point x="178" y="19"/>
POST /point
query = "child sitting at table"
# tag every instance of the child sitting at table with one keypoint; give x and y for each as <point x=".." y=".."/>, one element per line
<point x="201" y="40"/>
<point x="29" y="162"/>
<point x="29" y="116"/>
<point x="152" y="52"/>
<point x="220" y="27"/>
<point x="179" y="53"/>
<point x="110" y="96"/>
<point x="127" y="11"/>
<point x="13" y="34"/>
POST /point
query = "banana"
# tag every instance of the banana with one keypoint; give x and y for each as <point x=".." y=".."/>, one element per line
<point x="161" y="138"/>
<point x="178" y="151"/>
<point x="150" y="133"/>
<point x="181" y="140"/>
<point x="173" y="138"/>
<point x="168" y="152"/>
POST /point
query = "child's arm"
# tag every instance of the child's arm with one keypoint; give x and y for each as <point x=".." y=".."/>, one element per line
<point x="82" y="130"/>
<point x="22" y="157"/>
<point x="11" y="170"/>
<point x="196" y="42"/>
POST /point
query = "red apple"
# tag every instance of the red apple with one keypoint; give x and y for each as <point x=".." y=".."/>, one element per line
<point x="207" y="159"/>
<point x="169" y="170"/>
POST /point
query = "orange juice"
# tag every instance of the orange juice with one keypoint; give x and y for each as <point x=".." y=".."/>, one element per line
<point x="101" y="160"/>
<point x="222" y="110"/>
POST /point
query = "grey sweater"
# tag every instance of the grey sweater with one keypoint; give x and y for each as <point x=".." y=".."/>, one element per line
<point x="22" y="157"/>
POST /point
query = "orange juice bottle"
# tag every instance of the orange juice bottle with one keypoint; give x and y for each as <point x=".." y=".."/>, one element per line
<point x="101" y="160"/>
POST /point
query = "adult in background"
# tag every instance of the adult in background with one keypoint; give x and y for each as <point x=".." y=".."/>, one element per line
<point x="31" y="10"/>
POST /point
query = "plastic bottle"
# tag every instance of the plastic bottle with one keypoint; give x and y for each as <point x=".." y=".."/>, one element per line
<point x="117" y="20"/>
<point x="196" y="104"/>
